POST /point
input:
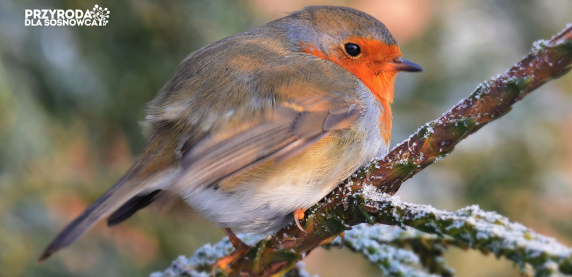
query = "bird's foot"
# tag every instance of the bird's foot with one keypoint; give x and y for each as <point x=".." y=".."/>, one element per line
<point x="342" y="235"/>
<point x="239" y="249"/>
<point x="299" y="215"/>
<point x="330" y="239"/>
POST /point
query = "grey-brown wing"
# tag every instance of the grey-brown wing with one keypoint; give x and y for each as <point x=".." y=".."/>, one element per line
<point x="287" y="131"/>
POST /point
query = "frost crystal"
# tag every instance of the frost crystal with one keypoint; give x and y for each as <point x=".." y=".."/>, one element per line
<point x="382" y="244"/>
<point x="199" y="265"/>
<point x="486" y="231"/>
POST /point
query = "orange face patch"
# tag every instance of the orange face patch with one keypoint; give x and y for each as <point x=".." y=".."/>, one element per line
<point x="367" y="67"/>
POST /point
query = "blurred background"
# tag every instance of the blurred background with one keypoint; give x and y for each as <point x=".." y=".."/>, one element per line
<point x="71" y="99"/>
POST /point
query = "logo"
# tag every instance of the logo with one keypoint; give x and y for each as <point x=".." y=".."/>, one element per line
<point x="98" y="16"/>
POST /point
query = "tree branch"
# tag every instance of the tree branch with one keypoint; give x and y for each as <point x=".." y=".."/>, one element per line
<point x="491" y="100"/>
<point x="383" y="245"/>
<point x="351" y="202"/>
<point x="485" y="231"/>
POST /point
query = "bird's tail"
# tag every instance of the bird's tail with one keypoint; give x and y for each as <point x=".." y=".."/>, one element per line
<point x="137" y="188"/>
<point x="110" y="201"/>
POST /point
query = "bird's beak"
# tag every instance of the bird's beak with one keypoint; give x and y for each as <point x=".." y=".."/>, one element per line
<point x="401" y="64"/>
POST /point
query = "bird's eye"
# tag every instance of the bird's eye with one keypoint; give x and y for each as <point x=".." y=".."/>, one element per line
<point x="352" y="49"/>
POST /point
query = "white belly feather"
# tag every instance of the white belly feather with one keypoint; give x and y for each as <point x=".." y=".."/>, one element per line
<point x="264" y="205"/>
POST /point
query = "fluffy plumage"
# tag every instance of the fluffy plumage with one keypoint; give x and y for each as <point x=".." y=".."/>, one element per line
<point x="265" y="122"/>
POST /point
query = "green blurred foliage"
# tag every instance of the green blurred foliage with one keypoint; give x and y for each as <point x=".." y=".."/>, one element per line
<point x="71" y="99"/>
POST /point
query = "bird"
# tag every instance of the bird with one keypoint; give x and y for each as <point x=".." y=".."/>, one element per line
<point x="254" y="129"/>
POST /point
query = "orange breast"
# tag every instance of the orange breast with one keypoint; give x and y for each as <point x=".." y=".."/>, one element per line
<point x="366" y="67"/>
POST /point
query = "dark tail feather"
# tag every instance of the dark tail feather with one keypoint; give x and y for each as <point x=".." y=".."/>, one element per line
<point x="69" y="234"/>
<point x="122" y="199"/>
<point x="110" y="201"/>
<point x="131" y="207"/>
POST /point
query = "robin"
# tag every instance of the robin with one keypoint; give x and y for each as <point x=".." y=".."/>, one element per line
<point x="254" y="129"/>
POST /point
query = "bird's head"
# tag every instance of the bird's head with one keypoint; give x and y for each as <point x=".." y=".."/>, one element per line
<point x="354" y="40"/>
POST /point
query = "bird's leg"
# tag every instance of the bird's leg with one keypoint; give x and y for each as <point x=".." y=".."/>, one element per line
<point x="330" y="239"/>
<point x="342" y="235"/>
<point x="239" y="249"/>
<point x="299" y="215"/>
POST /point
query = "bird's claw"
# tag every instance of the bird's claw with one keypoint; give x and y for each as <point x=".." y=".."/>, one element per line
<point x="299" y="215"/>
<point x="239" y="249"/>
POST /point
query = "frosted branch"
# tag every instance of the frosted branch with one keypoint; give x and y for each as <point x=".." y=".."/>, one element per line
<point x="485" y="231"/>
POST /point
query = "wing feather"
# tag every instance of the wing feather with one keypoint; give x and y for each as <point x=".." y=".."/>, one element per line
<point x="281" y="134"/>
